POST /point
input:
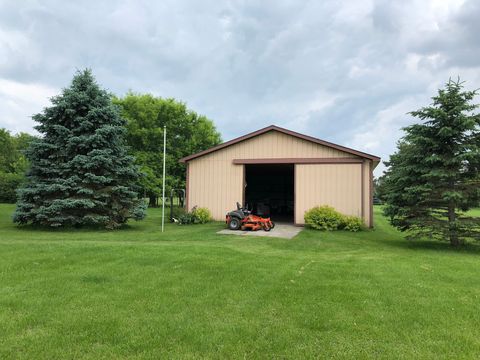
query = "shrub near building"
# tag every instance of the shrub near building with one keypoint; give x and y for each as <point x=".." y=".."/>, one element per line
<point x="328" y="219"/>
<point x="196" y="216"/>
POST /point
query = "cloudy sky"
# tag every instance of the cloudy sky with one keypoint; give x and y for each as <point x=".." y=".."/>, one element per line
<point x="343" y="71"/>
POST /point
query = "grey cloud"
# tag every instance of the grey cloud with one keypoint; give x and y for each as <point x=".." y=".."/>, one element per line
<point x="346" y="71"/>
<point x="456" y="38"/>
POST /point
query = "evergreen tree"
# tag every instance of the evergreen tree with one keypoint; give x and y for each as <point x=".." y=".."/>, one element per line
<point x="80" y="171"/>
<point x="433" y="178"/>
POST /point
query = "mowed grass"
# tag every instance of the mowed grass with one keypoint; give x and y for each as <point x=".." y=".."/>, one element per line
<point x="190" y="293"/>
<point x="474" y="212"/>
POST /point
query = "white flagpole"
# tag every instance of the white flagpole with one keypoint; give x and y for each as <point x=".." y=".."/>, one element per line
<point x="163" y="190"/>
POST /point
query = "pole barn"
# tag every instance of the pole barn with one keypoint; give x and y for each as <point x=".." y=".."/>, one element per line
<point x="281" y="173"/>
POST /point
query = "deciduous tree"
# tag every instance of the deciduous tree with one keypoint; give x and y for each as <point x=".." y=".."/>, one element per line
<point x="13" y="163"/>
<point x="187" y="133"/>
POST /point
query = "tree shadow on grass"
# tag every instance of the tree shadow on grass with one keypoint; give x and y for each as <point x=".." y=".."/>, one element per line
<point x="425" y="244"/>
<point x="73" y="229"/>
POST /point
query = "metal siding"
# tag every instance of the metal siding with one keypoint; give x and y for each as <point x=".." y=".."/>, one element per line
<point x="216" y="183"/>
<point x="367" y="205"/>
<point x="337" y="185"/>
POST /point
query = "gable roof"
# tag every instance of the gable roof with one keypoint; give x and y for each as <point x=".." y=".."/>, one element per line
<point x="284" y="131"/>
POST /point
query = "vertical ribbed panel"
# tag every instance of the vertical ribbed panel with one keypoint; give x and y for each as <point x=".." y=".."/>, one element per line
<point x="337" y="185"/>
<point x="216" y="183"/>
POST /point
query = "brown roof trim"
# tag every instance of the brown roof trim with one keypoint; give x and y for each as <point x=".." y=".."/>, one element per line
<point x="299" y="161"/>
<point x="284" y="131"/>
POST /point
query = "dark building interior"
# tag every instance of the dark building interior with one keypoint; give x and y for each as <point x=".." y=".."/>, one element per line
<point x="269" y="190"/>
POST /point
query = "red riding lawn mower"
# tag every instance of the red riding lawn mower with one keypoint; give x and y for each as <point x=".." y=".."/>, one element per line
<point x="242" y="218"/>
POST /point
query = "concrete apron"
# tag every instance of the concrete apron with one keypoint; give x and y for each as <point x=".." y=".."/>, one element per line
<point x="286" y="231"/>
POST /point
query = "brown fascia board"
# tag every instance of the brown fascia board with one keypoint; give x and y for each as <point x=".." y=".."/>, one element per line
<point x="299" y="161"/>
<point x="284" y="131"/>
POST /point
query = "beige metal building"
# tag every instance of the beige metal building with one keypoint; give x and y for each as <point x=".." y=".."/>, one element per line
<point x="281" y="173"/>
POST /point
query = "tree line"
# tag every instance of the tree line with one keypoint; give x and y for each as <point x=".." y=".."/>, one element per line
<point x="98" y="156"/>
<point x="13" y="163"/>
<point x="145" y="116"/>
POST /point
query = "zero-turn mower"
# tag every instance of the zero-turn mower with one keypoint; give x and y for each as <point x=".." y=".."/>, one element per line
<point x="242" y="218"/>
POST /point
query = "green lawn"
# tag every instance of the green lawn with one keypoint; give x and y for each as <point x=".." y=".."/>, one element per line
<point x="474" y="212"/>
<point x="189" y="293"/>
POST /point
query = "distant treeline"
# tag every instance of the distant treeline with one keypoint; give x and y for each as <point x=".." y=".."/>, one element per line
<point x="146" y="115"/>
<point x="13" y="163"/>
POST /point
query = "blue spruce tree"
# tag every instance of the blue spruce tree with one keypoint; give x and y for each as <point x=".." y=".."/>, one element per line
<point x="80" y="171"/>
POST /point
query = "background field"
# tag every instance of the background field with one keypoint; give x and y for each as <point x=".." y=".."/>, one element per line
<point x="189" y="293"/>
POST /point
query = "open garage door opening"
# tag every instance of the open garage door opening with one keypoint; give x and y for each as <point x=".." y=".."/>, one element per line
<point x="269" y="190"/>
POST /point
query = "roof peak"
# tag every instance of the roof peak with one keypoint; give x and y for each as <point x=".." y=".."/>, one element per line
<point x="284" y="131"/>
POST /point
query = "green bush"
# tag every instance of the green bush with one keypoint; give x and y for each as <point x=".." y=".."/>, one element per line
<point x="186" y="219"/>
<point x="196" y="216"/>
<point x="202" y="215"/>
<point x="327" y="218"/>
<point x="323" y="218"/>
<point x="177" y="212"/>
<point x="353" y="223"/>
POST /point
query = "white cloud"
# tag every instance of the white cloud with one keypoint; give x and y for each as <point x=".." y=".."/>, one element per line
<point x="376" y="136"/>
<point x="20" y="101"/>
<point x="347" y="71"/>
